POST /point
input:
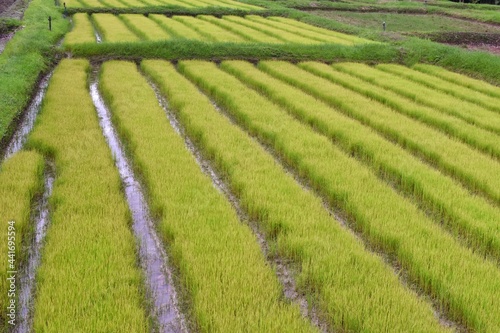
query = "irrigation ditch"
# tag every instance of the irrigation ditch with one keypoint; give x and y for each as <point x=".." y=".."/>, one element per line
<point x="348" y="224"/>
<point x="152" y="256"/>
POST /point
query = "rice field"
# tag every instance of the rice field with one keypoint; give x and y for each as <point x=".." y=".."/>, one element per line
<point x="225" y="193"/>
<point x="250" y="29"/>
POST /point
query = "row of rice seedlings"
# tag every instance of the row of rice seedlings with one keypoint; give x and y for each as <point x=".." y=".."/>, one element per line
<point x="243" y="31"/>
<point x="276" y="33"/>
<point x="82" y="32"/>
<point x="92" y="3"/>
<point x="352" y="287"/>
<point x="209" y="30"/>
<point x="115" y="3"/>
<point x="478" y="138"/>
<point x="460" y="79"/>
<point x="476" y="170"/>
<point x="460" y="92"/>
<point x="21" y="179"/>
<point x="73" y="3"/>
<point x="144" y="27"/>
<point x="212" y="3"/>
<point x="88" y="279"/>
<point x="180" y="3"/>
<point x="112" y="29"/>
<point x="299" y="31"/>
<point x="222" y="269"/>
<point x="419" y="93"/>
<point x="176" y="28"/>
<point x="469" y="217"/>
<point x="241" y="5"/>
<point x="305" y="26"/>
<point x="464" y="284"/>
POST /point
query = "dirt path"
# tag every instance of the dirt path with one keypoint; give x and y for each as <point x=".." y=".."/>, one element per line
<point x="13" y="8"/>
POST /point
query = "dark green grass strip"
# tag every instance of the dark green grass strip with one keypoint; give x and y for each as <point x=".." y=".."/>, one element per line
<point x="464" y="284"/>
<point x="352" y="287"/>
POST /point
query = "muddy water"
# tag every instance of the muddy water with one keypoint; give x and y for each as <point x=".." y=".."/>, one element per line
<point x="28" y="120"/>
<point x="153" y="258"/>
<point x="282" y="266"/>
<point x="28" y="273"/>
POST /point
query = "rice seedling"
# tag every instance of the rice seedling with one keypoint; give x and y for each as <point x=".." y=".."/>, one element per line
<point x="113" y="29"/>
<point x="463" y="284"/>
<point x="279" y="34"/>
<point x="305" y="26"/>
<point x="21" y="179"/>
<point x="475" y="170"/>
<point x="469" y="217"/>
<point x="467" y="111"/>
<point x="176" y="28"/>
<point x="352" y="288"/>
<point x="88" y="279"/>
<point x="93" y="3"/>
<point x="459" y="79"/>
<point x="222" y="269"/>
<point x="475" y="137"/>
<point x="298" y="31"/>
<point x="144" y="27"/>
<point x="244" y="31"/>
<point x="83" y="31"/>
<point x="208" y="30"/>
<point x="456" y="90"/>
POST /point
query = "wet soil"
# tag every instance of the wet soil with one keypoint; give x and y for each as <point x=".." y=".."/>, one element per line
<point x="13" y="8"/>
<point x="4" y="39"/>
<point x="152" y="256"/>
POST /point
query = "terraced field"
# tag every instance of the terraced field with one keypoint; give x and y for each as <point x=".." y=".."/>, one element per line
<point x="205" y="191"/>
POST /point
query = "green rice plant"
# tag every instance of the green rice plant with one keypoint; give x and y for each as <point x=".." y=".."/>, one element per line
<point x="114" y="3"/>
<point x="208" y="30"/>
<point x="353" y="289"/>
<point x="144" y="27"/>
<point x="279" y="34"/>
<point x="244" y="31"/>
<point x="222" y="269"/>
<point x="73" y="3"/>
<point x="305" y="26"/>
<point x="24" y="58"/>
<point x="464" y="285"/>
<point x="458" y="91"/>
<point x="21" y="180"/>
<point x="113" y="29"/>
<point x="468" y="217"/>
<point x="298" y="31"/>
<point x="177" y="3"/>
<point x="241" y="5"/>
<point x="476" y="137"/>
<point x="474" y="169"/>
<point x="215" y="3"/>
<point x="88" y="279"/>
<point x="83" y="31"/>
<point x="459" y="79"/>
<point x="93" y="3"/>
<point x="467" y="111"/>
<point x="176" y="28"/>
<point x="135" y="3"/>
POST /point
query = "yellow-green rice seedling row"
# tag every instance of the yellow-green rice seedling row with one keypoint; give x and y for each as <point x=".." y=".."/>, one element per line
<point x="209" y="30"/>
<point x="176" y="28"/>
<point x="93" y="3"/>
<point x="419" y="93"/>
<point x="83" y="31"/>
<point x="470" y="217"/>
<point x="88" y="279"/>
<point x="144" y="27"/>
<point x="456" y="90"/>
<point x="243" y="31"/>
<point x="299" y="31"/>
<point x="115" y="3"/>
<point x="353" y="288"/>
<point x="331" y="33"/>
<point x="464" y="284"/>
<point x="180" y="3"/>
<point x="222" y="268"/>
<point x="460" y="79"/>
<point x="73" y="4"/>
<point x="113" y="29"/>
<point x="21" y="179"/>
<point x="277" y="33"/>
<point x="478" y="138"/>
<point x="239" y="4"/>
<point x="476" y="170"/>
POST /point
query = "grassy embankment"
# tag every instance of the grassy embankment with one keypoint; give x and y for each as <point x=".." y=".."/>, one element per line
<point x="21" y="180"/>
<point x="222" y="270"/>
<point x="465" y="286"/>
<point x="469" y="217"/>
<point x="25" y="57"/>
<point x="352" y="287"/>
<point x="88" y="279"/>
